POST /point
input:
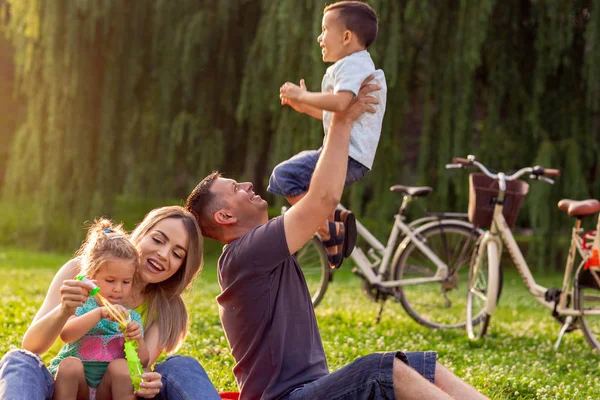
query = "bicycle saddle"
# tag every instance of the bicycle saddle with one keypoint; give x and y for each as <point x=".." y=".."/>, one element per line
<point x="416" y="191"/>
<point x="579" y="209"/>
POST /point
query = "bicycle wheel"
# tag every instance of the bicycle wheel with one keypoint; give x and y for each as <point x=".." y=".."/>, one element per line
<point x="587" y="297"/>
<point x="484" y="284"/>
<point x="438" y="304"/>
<point x="313" y="262"/>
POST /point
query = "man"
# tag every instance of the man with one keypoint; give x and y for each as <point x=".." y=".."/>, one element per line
<point x="265" y="305"/>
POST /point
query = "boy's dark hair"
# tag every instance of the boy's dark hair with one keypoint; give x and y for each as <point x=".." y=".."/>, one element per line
<point x="203" y="204"/>
<point x="359" y="18"/>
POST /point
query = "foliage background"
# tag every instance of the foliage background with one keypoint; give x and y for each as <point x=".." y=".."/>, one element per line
<point x="134" y="102"/>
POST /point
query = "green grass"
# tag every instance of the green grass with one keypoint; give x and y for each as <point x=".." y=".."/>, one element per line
<point x="516" y="360"/>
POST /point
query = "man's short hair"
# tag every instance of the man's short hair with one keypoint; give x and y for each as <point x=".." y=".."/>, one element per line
<point x="359" y="18"/>
<point x="204" y="204"/>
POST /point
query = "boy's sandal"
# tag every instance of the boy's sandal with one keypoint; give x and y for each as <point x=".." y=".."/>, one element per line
<point x="335" y="260"/>
<point x="336" y="239"/>
<point x="350" y="232"/>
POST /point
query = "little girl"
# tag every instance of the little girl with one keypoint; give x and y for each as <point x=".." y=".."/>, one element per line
<point x="93" y="339"/>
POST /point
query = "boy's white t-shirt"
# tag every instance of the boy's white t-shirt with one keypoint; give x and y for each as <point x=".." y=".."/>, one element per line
<point x="347" y="74"/>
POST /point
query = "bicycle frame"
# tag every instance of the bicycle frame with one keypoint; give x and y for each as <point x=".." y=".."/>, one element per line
<point x="500" y="227"/>
<point x="386" y="252"/>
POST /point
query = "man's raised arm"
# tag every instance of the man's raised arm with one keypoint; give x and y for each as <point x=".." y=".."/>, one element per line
<point x="327" y="183"/>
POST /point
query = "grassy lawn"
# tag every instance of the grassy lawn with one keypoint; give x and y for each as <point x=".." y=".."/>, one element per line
<point x="516" y="360"/>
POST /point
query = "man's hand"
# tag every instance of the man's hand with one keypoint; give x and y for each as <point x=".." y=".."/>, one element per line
<point x="291" y="91"/>
<point x="361" y="103"/>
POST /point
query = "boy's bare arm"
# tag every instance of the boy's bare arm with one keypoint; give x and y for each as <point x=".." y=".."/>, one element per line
<point x="336" y="102"/>
<point x="303" y="108"/>
<point x="314" y="112"/>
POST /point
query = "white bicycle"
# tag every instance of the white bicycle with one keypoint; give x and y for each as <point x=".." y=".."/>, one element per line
<point x="494" y="201"/>
<point x="424" y="265"/>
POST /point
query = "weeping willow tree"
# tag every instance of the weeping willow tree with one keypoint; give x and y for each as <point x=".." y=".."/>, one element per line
<point x="144" y="98"/>
<point x="122" y="97"/>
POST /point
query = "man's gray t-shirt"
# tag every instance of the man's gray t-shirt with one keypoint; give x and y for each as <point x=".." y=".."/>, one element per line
<point x="267" y="315"/>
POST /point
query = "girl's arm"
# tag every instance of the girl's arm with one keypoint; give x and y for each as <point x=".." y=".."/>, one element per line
<point x="62" y="299"/>
<point x="77" y="327"/>
<point x="134" y="332"/>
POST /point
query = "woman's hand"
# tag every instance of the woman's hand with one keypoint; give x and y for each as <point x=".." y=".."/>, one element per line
<point x="73" y="294"/>
<point x="150" y="386"/>
<point x="133" y="331"/>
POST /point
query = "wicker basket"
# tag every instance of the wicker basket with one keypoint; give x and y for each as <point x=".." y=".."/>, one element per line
<point x="483" y="192"/>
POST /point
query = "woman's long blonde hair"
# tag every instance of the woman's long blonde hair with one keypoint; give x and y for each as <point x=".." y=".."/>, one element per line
<point x="164" y="299"/>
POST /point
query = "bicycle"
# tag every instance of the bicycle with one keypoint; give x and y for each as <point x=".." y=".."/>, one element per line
<point x="428" y="267"/>
<point x="494" y="202"/>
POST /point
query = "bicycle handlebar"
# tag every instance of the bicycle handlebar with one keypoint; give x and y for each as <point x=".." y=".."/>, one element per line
<point x="551" y="172"/>
<point x="536" y="172"/>
<point x="461" y="161"/>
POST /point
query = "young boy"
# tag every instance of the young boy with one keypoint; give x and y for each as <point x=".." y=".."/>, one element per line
<point x="349" y="28"/>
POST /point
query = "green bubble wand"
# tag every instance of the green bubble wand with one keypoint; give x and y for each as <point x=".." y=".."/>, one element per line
<point x="133" y="360"/>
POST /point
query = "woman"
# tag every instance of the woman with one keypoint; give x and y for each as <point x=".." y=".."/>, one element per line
<point x="170" y="247"/>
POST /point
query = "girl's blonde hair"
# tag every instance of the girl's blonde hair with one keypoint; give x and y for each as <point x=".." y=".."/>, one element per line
<point x="164" y="299"/>
<point x="105" y="241"/>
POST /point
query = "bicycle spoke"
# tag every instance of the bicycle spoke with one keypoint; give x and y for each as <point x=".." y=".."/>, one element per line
<point x="420" y="269"/>
<point x="441" y="304"/>
<point x="591" y="297"/>
<point x="464" y="255"/>
<point x="588" y="299"/>
<point x="479" y="294"/>
<point x="313" y="262"/>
